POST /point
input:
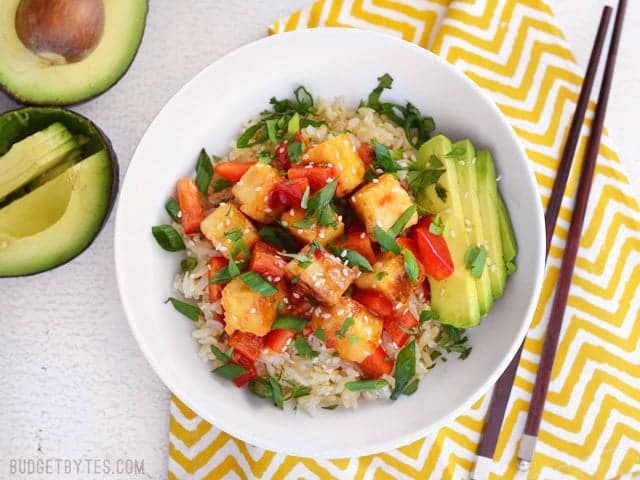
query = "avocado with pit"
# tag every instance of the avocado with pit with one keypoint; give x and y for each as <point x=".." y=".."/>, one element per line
<point x="55" y="216"/>
<point x="60" y="52"/>
<point x="465" y="161"/>
<point x="454" y="299"/>
<point x="488" y="196"/>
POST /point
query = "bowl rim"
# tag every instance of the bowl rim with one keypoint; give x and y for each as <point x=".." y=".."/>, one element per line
<point x="170" y="381"/>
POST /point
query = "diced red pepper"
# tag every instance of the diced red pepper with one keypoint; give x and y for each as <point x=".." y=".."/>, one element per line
<point x="397" y="325"/>
<point x="266" y="261"/>
<point x="366" y="153"/>
<point x="288" y="193"/>
<point x="247" y="344"/>
<point x="215" y="289"/>
<point x="190" y="205"/>
<point x="374" y="301"/>
<point x="360" y="242"/>
<point x="277" y="340"/>
<point x="232" y="171"/>
<point x="246" y="363"/>
<point x="426" y="288"/>
<point x="377" y="364"/>
<point x="434" y="252"/>
<point x="317" y="175"/>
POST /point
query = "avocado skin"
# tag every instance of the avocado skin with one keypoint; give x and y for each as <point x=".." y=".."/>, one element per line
<point x="26" y="101"/>
<point x="22" y="122"/>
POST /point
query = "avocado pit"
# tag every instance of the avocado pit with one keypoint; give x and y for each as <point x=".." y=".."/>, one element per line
<point x="70" y="29"/>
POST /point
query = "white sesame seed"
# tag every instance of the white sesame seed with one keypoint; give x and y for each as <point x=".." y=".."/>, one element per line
<point x="285" y="223"/>
<point x="321" y="235"/>
<point x="398" y="306"/>
<point x="363" y="235"/>
<point x="285" y="300"/>
<point x="266" y="198"/>
<point x="227" y="222"/>
<point x="296" y="295"/>
<point x="267" y="210"/>
<point x="179" y="214"/>
<point x="277" y="279"/>
<point x="330" y="179"/>
<point x="305" y="157"/>
<point x="339" y="218"/>
<point x="258" y="189"/>
<point x="345" y="272"/>
<point x="253" y="310"/>
<point x="326" y="315"/>
<point x="452" y="233"/>
<point x="468" y="229"/>
<point x="467" y="222"/>
<point x="346" y="142"/>
<point x="354" y="171"/>
<point x="292" y="212"/>
<point x="375" y="180"/>
<point x="300" y="231"/>
<point x="343" y="253"/>
<point x="493" y="267"/>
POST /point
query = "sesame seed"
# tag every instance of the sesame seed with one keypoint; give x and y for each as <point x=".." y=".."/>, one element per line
<point x="268" y="210"/>
<point x="330" y="179"/>
<point x="285" y="223"/>
<point x="309" y="166"/>
<point x="300" y="231"/>
<point x="345" y="272"/>
<point x="499" y="178"/>
<point x="452" y="233"/>
<point x="467" y="222"/>
<point x="363" y="235"/>
<point x="227" y="221"/>
<point x="326" y="315"/>
<point x="285" y="300"/>
<point x="493" y="267"/>
<point x="321" y="235"/>
<point x="258" y="189"/>
<point x="375" y="180"/>
<point x="468" y="229"/>
<point x="346" y="142"/>
<point x="398" y="306"/>
<point x="292" y="212"/>
<point x="266" y="198"/>
<point x="339" y="218"/>
<point x="305" y="157"/>
<point x="296" y="295"/>
<point x="343" y="253"/>
<point x="277" y="279"/>
<point x="253" y="310"/>
<point x="354" y="171"/>
<point x="179" y="214"/>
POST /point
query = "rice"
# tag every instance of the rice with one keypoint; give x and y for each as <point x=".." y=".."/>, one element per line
<point x="326" y="374"/>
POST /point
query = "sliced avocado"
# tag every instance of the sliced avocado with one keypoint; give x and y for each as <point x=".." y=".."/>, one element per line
<point x="56" y="221"/>
<point x="488" y="196"/>
<point x="468" y="182"/>
<point x="55" y="216"/>
<point x="33" y="156"/>
<point x="55" y="53"/>
<point x="507" y="235"/>
<point x="455" y="298"/>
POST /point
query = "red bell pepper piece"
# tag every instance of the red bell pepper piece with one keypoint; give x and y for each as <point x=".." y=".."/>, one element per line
<point x="266" y="261"/>
<point x="360" y="242"/>
<point x="377" y="364"/>
<point x="374" y="301"/>
<point x="366" y="153"/>
<point x="247" y="344"/>
<point x="215" y="289"/>
<point x="396" y="326"/>
<point x="277" y="340"/>
<point x="288" y="193"/>
<point x="232" y="171"/>
<point x="190" y="205"/>
<point x="246" y="363"/>
<point x="317" y="175"/>
<point x="434" y="252"/>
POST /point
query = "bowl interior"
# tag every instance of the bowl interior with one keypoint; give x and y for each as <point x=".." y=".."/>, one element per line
<point x="209" y="111"/>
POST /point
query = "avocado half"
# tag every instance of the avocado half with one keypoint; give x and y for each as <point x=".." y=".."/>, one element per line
<point x="36" y="76"/>
<point x="58" y="219"/>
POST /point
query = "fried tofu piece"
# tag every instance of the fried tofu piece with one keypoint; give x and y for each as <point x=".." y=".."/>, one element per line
<point x="224" y="225"/>
<point x="362" y="334"/>
<point x="381" y="202"/>
<point x="248" y="311"/>
<point x="323" y="235"/>
<point x="324" y="277"/>
<point x="347" y="164"/>
<point x="390" y="278"/>
<point x="252" y="192"/>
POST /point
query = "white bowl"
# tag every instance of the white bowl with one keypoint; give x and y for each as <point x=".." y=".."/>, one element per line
<point x="210" y="111"/>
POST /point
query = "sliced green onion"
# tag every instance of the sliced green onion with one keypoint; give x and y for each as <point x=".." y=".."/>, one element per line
<point x="366" y="385"/>
<point x="290" y="322"/>
<point x="230" y="371"/>
<point x="173" y="209"/>
<point x="168" y="238"/>
<point x="259" y="284"/>
<point x="192" y="312"/>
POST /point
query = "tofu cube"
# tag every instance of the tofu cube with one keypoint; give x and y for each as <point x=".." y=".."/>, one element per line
<point x="224" y="225"/>
<point x="349" y="167"/>
<point x="357" y="341"/>
<point x="252" y="192"/>
<point x="323" y="235"/>
<point x="381" y="202"/>
<point x="394" y="283"/>
<point x="324" y="277"/>
<point x="248" y="311"/>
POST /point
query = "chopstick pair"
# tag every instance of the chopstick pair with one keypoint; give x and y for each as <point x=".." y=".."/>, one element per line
<point x="502" y="389"/>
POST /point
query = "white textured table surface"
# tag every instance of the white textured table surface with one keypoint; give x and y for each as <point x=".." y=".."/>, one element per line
<point x="75" y="383"/>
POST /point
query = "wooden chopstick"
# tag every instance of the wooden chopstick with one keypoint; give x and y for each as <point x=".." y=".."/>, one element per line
<point x="502" y="388"/>
<point x="541" y="386"/>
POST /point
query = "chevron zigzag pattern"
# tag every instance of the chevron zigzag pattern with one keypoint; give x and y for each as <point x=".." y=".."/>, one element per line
<point x="516" y="52"/>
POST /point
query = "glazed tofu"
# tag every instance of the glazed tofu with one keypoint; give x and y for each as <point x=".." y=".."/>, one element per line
<point x="223" y="226"/>
<point x="325" y="278"/>
<point x="246" y="310"/>
<point x="394" y="283"/>
<point x="252" y="192"/>
<point x="359" y="339"/>
<point x="323" y="235"/>
<point x="381" y="202"/>
<point x="349" y="167"/>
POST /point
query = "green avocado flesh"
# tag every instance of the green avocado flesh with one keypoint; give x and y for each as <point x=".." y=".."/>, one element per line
<point x="37" y="79"/>
<point x="474" y="214"/>
<point x="454" y="299"/>
<point x="33" y="156"/>
<point x="488" y="195"/>
<point x="468" y="183"/>
<point x="57" y="220"/>
<point x="60" y="209"/>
